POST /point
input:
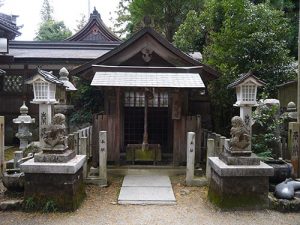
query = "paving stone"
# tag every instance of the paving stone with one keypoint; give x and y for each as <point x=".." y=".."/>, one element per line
<point x="145" y="181"/>
<point x="148" y="189"/>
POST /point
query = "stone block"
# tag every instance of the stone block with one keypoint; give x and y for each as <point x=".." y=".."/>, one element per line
<point x="240" y="170"/>
<point x="69" y="167"/>
<point x="65" y="191"/>
<point x="239" y="160"/>
<point x="239" y="186"/>
<point x="284" y="205"/>
<point x="55" y="158"/>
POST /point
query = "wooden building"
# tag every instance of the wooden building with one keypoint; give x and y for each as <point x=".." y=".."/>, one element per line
<point x="287" y="92"/>
<point x="145" y="81"/>
<point x="148" y="69"/>
<point x="23" y="58"/>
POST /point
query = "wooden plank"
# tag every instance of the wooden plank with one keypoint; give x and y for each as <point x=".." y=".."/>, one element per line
<point x="117" y="132"/>
<point x="179" y="141"/>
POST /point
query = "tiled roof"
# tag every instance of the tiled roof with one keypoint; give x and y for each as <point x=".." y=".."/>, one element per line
<point x="59" y="50"/>
<point x="8" y="25"/>
<point x="148" y="79"/>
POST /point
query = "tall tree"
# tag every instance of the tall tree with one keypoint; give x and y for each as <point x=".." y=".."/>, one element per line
<point x="49" y="29"/>
<point x="166" y="15"/>
<point x="239" y="36"/>
<point x="53" y="31"/>
<point x="80" y="22"/>
<point x="46" y="11"/>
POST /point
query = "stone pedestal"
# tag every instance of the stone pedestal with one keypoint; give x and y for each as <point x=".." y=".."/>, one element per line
<point x="59" y="183"/>
<point x="239" y="186"/>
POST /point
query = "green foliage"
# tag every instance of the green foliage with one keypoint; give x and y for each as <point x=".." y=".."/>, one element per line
<point x="238" y="36"/>
<point x="266" y="135"/>
<point x="46" y="11"/>
<point x="30" y="204"/>
<point x="53" y="31"/>
<point x="166" y="15"/>
<point x="190" y="38"/>
<point x="49" y="206"/>
<point x="49" y="29"/>
<point x="87" y="100"/>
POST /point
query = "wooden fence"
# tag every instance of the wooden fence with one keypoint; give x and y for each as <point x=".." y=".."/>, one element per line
<point x="81" y="142"/>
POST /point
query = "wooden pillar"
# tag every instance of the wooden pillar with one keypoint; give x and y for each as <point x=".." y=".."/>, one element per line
<point x="145" y="135"/>
<point x="118" y="131"/>
<point x="2" y="162"/>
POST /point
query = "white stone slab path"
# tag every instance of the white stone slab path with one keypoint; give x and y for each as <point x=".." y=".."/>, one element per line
<point x="147" y="190"/>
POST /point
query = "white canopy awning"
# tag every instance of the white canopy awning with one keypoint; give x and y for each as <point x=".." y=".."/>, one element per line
<point x="147" y="79"/>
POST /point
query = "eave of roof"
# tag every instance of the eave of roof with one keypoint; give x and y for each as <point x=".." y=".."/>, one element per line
<point x="7" y="24"/>
<point x="43" y="50"/>
<point x="287" y="83"/>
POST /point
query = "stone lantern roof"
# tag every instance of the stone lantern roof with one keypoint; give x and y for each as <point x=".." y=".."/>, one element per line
<point x="24" y="118"/>
<point x="243" y="77"/>
<point x="45" y="75"/>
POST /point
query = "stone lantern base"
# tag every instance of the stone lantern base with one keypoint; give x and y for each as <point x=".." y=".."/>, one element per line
<point x="58" y="183"/>
<point x="239" y="186"/>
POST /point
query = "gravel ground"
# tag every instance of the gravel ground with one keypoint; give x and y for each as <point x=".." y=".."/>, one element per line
<point x="100" y="207"/>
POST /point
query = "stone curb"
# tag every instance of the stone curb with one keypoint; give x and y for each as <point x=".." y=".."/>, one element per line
<point x="11" y="205"/>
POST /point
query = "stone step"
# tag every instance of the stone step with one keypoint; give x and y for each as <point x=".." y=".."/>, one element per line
<point x="147" y="190"/>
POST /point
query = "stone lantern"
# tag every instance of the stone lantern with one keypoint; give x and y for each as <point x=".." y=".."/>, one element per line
<point x="23" y="122"/>
<point x="46" y="88"/>
<point x="246" y="90"/>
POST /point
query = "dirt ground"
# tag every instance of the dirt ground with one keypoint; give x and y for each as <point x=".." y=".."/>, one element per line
<point x="100" y="207"/>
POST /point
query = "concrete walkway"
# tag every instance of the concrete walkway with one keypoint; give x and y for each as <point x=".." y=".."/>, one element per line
<point x="147" y="190"/>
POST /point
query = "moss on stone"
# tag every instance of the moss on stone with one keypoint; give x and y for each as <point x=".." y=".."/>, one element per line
<point x="61" y="202"/>
<point x="236" y="202"/>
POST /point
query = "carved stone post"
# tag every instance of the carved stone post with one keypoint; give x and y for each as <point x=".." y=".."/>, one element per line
<point x="83" y="151"/>
<point x="190" y="162"/>
<point x="103" y="157"/>
<point x="210" y="153"/>
<point x="45" y="117"/>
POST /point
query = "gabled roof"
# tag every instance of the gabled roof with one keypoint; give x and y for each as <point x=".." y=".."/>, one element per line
<point x="8" y="25"/>
<point x="243" y="77"/>
<point x="172" y="53"/>
<point x="94" y="31"/>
